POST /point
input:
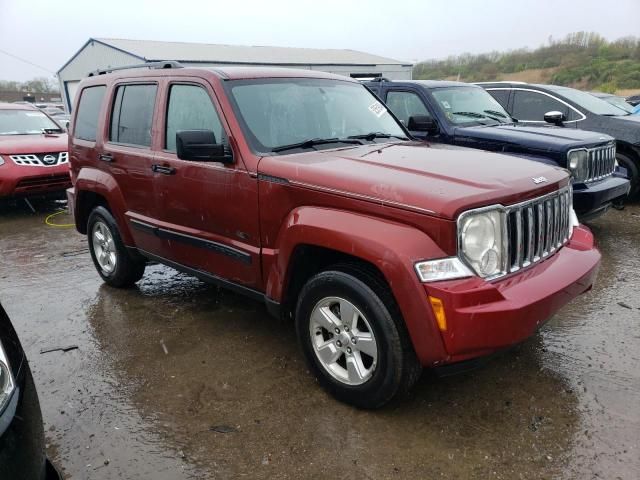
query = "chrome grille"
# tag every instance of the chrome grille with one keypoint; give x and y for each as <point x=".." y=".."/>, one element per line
<point x="537" y="228"/>
<point x="600" y="162"/>
<point x="40" y="159"/>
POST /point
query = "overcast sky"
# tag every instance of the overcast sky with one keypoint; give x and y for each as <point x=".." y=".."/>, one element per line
<point x="48" y="32"/>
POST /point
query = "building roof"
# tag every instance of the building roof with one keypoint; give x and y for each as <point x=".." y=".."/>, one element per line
<point x="151" y="50"/>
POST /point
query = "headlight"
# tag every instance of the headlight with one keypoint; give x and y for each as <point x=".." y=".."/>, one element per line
<point x="578" y="164"/>
<point x="481" y="241"/>
<point x="7" y="383"/>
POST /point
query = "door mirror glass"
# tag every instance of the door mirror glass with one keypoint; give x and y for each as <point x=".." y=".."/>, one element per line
<point x="554" y="117"/>
<point x="422" y="123"/>
<point x="200" y="145"/>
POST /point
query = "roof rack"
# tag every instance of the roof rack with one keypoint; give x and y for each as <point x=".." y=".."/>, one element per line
<point x="154" y="65"/>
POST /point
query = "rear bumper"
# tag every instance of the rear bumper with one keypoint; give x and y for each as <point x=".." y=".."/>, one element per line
<point x="594" y="199"/>
<point x="485" y="317"/>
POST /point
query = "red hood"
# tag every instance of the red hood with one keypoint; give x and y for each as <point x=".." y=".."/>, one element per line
<point x="435" y="179"/>
<point x="16" y="144"/>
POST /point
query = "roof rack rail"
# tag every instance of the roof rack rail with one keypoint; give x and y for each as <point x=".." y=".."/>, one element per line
<point x="155" y="65"/>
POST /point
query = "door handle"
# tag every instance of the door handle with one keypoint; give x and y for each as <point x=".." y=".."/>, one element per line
<point x="105" y="157"/>
<point x="163" y="169"/>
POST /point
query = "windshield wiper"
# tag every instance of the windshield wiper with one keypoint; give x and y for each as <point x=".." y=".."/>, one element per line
<point x="312" y="142"/>
<point x="470" y="114"/>
<point x="51" y="130"/>
<point x="373" y="135"/>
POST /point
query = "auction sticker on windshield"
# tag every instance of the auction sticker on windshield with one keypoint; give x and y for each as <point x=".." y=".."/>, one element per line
<point x="377" y="109"/>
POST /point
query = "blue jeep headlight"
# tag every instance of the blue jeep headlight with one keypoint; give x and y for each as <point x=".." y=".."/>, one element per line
<point x="578" y="163"/>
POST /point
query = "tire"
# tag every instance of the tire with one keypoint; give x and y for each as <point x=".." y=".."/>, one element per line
<point x="114" y="263"/>
<point x="633" y="170"/>
<point x="381" y="363"/>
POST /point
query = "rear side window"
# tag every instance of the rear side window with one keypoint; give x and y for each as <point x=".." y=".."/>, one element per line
<point x="190" y="108"/>
<point x="86" y="125"/>
<point x="132" y="115"/>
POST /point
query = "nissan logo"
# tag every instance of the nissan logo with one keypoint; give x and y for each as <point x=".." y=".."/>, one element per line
<point x="49" y="160"/>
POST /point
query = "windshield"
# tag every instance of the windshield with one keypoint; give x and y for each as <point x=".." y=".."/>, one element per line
<point x="25" y="122"/>
<point x="619" y="102"/>
<point x="589" y="102"/>
<point x="470" y="105"/>
<point x="277" y="113"/>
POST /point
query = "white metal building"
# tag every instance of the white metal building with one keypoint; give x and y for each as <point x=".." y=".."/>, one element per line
<point x="103" y="53"/>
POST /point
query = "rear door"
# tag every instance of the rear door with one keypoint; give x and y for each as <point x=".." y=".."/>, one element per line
<point x="208" y="210"/>
<point x="128" y="156"/>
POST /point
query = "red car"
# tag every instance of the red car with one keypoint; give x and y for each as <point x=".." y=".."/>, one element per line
<point x="33" y="153"/>
<point x="301" y="190"/>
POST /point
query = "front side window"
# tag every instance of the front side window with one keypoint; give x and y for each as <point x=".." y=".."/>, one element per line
<point x="532" y="106"/>
<point x="86" y="124"/>
<point x="26" y="122"/>
<point x="469" y="105"/>
<point x="132" y="115"/>
<point x="190" y="108"/>
<point x="405" y="105"/>
<point x="279" y="112"/>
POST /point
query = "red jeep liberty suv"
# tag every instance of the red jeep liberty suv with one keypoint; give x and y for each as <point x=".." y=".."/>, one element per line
<point x="299" y="189"/>
<point x="33" y="153"/>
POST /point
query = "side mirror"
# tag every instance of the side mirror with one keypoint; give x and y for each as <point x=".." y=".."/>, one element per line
<point x="554" y="117"/>
<point x="200" y="145"/>
<point x="66" y="125"/>
<point x="422" y="123"/>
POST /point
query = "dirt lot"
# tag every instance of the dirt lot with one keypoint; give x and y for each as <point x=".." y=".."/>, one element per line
<point x="176" y="379"/>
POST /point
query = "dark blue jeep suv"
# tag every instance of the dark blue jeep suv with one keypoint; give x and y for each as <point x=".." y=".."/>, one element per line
<point x="466" y="115"/>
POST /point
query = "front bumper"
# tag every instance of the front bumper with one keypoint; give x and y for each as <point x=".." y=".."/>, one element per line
<point x="19" y="181"/>
<point x="593" y="199"/>
<point x="484" y="317"/>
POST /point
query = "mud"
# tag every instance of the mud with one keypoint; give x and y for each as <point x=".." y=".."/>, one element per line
<point x="177" y="379"/>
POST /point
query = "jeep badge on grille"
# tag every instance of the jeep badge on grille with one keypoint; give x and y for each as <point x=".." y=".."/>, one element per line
<point x="538" y="180"/>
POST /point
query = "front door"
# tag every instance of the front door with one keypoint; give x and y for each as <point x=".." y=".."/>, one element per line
<point x="208" y="211"/>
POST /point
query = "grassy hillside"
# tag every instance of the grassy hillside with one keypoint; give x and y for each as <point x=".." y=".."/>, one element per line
<point x="582" y="60"/>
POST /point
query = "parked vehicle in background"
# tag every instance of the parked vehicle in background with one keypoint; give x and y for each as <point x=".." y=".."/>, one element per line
<point x="22" y="444"/>
<point x="62" y="119"/>
<point x="462" y="114"/>
<point x="530" y="104"/>
<point x="297" y="188"/>
<point x="615" y="100"/>
<point x="33" y="153"/>
<point x="634" y="100"/>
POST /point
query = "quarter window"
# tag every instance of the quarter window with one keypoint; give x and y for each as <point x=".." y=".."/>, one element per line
<point x="501" y="96"/>
<point x="132" y="115"/>
<point x="405" y="105"/>
<point x="532" y="106"/>
<point x="190" y="108"/>
<point x="86" y="124"/>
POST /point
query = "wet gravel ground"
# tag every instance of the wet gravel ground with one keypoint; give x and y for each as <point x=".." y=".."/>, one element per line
<point x="177" y="379"/>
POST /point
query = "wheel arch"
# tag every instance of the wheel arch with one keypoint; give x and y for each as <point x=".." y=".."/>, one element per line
<point x="95" y="188"/>
<point x="314" y="238"/>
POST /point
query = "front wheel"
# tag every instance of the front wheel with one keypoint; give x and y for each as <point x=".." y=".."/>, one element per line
<point x="109" y="254"/>
<point x="346" y="326"/>
<point x="633" y="171"/>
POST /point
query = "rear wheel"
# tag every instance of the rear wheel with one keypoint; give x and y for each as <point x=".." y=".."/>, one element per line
<point x="110" y="256"/>
<point x="353" y="337"/>
<point x="633" y="171"/>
